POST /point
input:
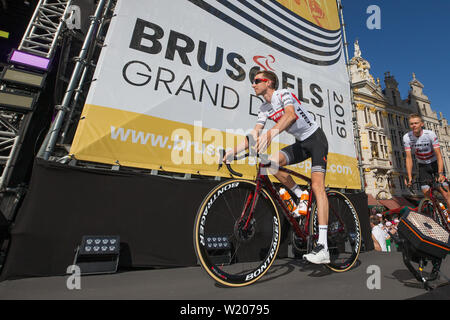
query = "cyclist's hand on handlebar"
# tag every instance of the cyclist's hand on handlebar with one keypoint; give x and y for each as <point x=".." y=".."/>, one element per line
<point x="443" y="182"/>
<point x="263" y="142"/>
<point x="228" y="157"/>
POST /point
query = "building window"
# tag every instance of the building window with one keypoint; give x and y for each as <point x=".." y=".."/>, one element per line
<point x="380" y="116"/>
<point x="374" y="149"/>
<point x="400" y="138"/>
<point x="374" y="145"/>
<point x="383" y="146"/>
<point x="390" y="119"/>
<point x="365" y="115"/>
<point x="394" y="137"/>
<point x="398" y="159"/>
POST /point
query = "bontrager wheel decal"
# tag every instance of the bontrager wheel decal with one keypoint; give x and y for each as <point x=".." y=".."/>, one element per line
<point x="339" y="264"/>
<point x="208" y="210"/>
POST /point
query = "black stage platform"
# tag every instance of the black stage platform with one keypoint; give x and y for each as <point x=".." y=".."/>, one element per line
<point x="153" y="215"/>
<point x="289" y="279"/>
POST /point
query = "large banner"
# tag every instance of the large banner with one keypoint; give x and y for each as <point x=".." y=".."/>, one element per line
<point x="173" y="84"/>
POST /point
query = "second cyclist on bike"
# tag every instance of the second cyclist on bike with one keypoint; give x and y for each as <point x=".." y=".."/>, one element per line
<point x="425" y="145"/>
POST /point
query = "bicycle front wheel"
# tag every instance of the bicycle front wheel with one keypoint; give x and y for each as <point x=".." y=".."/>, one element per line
<point x="234" y="244"/>
<point x="344" y="231"/>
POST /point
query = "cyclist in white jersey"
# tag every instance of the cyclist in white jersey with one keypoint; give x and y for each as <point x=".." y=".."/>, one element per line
<point x="302" y="128"/>
<point x="425" y="146"/>
<point x="285" y="109"/>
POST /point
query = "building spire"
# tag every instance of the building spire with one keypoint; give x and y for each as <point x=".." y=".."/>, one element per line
<point x="357" y="49"/>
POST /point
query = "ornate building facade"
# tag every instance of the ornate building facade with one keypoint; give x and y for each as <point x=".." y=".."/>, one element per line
<point x="382" y="120"/>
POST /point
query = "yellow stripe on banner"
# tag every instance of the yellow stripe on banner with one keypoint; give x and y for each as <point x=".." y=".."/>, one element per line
<point x="131" y="139"/>
<point x="4" y="34"/>
<point x="323" y="13"/>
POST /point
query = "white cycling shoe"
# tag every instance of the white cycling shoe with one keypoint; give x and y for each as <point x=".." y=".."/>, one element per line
<point x="318" y="255"/>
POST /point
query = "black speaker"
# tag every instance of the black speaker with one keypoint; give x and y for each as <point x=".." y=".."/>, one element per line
<point x="98" y="254"/>
<point x="425" y="235"/>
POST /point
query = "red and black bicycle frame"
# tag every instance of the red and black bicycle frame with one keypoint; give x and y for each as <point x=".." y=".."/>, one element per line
<point x="264" y="181"/>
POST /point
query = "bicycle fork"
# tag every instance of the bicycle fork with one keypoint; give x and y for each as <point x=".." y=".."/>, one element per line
<point x="251" y="202"/>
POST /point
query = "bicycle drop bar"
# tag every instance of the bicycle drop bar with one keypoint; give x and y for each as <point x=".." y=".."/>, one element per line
<point x="251" y="146"/>
<point x="221" y="160"/>
<point x="432" y="183"/>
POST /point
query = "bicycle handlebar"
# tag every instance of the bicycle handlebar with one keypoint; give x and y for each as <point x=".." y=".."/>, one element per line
<point x="221" y="159"/>
<point x="432" y="183"/>
<point x="251" y="143"/>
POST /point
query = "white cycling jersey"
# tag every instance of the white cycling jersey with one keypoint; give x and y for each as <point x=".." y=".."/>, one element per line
<point x="423" y="146"/>
<point x="302" y="128"/>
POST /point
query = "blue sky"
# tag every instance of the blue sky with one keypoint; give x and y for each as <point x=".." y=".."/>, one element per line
<point x="414" y="37"/>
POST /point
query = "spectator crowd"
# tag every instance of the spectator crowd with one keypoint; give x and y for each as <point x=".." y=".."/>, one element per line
<point x="384" y="231"/>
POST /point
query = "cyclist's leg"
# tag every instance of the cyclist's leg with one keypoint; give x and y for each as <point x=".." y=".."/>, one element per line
<point x="318" y="147"/>
<point x="283" y="177"/>
<point x="446" y="195"/>
<point x="288" y="155"/>
<point x="318" y="186"/>
<point x="445" y="192"/>
<point x="425" y="174"/>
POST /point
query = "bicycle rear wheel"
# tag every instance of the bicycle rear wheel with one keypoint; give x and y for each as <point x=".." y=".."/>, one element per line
<point x="232" y="248"/>
<point x="426" y="207"/>
<point x="344" y="231"/>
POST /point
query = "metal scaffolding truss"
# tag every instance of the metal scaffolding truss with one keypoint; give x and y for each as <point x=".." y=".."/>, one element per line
<point x="40" y="38"/>
<point x="45" y="26"/>
<point x="12" y="130"/>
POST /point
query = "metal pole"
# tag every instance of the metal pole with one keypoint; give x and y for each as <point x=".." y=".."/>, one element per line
<point x="86" y="67"/>
<point x="354" y="111"/>
<point x="55" y="127"/>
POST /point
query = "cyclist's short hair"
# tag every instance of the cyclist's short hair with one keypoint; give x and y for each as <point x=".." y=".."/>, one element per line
<point x="271" y="76"/>
<point x="415" y="115"/>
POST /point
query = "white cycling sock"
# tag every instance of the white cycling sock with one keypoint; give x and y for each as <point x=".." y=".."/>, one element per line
<point x="297" y="190"/>
<point x="323" y="229"/>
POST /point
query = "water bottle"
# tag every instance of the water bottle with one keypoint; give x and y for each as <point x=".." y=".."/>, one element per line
<point x="290" y="204"/>
<point x="303" y="205"/>
<point x="444" y="211"/>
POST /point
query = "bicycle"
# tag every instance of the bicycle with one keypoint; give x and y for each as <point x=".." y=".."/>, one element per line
<point x="429" y="205"/>
<point x="237" y="228"/>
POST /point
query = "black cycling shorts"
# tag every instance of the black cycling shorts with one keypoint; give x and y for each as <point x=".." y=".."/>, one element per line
<point x="314" y="147"/>
<point x="426" y="172"/>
